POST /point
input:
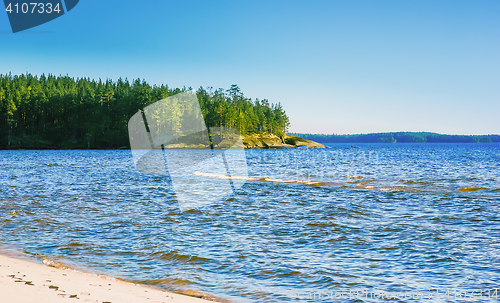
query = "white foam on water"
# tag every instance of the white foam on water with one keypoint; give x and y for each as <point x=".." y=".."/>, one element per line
<point x="222" y="176"/>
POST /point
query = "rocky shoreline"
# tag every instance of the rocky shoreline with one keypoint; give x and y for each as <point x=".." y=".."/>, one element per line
<point x="256" y="141"/>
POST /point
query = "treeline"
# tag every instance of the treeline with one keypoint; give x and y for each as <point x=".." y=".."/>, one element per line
<point x="401" y="137"/>
<point x="63" y="112"/>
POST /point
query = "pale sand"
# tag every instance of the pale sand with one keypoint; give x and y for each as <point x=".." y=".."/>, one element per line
<point x="27" y="282"/>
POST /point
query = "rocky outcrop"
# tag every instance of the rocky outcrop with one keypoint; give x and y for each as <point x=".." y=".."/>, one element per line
<point x="252" y="141"/>
<point x="272" y="141"/>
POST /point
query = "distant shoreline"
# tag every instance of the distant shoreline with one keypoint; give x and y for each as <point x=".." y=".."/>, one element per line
<point x="400" y="137"/>
<point x="293" y="140"/>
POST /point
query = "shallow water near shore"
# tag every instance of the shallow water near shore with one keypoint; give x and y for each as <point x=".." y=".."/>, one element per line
<point x="392" y="217"/>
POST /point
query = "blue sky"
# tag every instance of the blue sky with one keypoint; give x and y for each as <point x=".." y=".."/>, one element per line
<point x="336" y="66"/>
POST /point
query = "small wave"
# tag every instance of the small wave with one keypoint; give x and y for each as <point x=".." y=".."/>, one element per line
<point x="55" y="264"/>
<point x="469" y="189"/>
<point x="176" y="256"/>
<point x="178" y="286"/>
<point x="290" y="181"/>
<point x="194" y="211"/>
<point x="365" y="186"/>
<point x="201" y="295"/>
<point x="414" y="182"/>
<point x="355" y="177"/>
<point x="369" y="187"/>
<point x="227" y="177"/>
<point x="168" y="282"/>
<point x="223" y="177"/>
<point x="391" y="188"/>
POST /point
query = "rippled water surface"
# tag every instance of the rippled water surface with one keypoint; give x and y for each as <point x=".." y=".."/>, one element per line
<point x="394" y="217"/>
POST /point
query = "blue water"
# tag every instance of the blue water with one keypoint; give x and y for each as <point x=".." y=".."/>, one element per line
<point x="391" y="217"/>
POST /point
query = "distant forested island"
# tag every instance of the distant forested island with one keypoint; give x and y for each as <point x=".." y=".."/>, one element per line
<point x="50" y="112"/>
<point x="399" y="137"/>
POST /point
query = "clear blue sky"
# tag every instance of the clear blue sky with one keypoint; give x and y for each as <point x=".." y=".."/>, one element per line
<point x="336" y="66"/>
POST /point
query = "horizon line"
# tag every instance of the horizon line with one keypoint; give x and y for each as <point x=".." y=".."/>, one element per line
<point x="391" y="132"/>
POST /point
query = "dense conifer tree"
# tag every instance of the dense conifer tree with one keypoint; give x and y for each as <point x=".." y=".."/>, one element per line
<point x="63" y="112"/>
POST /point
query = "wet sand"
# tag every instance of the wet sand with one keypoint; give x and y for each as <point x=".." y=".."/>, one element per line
<point x="25" y="282"/>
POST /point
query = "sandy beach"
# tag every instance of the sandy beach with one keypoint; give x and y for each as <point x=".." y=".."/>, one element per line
<point x="25" y="282"/>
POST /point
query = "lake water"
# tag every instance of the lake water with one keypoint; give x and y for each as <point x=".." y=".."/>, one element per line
<point x="382" y="217"/>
